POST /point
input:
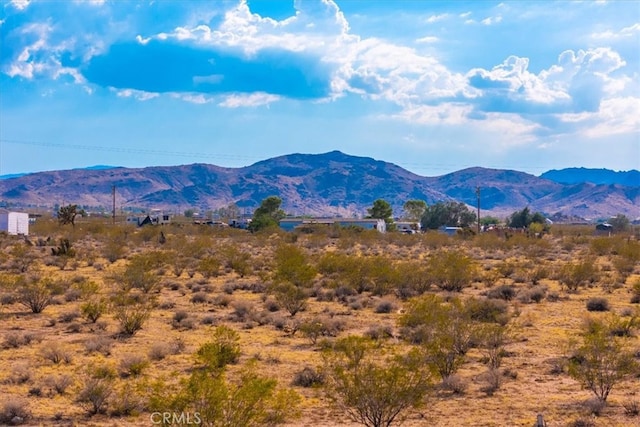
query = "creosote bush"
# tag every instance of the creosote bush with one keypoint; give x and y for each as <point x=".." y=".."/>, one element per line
<point x="598" y="304"/>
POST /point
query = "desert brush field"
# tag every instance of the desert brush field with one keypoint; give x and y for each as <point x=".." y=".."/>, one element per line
<point x="110" y="325"/>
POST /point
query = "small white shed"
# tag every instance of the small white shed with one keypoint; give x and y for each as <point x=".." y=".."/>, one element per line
<point x="14" y="222"/>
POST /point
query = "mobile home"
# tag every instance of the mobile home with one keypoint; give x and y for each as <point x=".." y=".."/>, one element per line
<point x="14" y="222"/>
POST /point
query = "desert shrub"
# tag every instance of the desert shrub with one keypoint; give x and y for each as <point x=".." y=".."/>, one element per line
<point x="222" y="351"/>
<point x="444" y="331"/>
<point x="94" y="394"/>
<point x="94" y="309"/>
<point x="291" y="297"/>
<point x="372" y="391"/>
<point x="600" y="361"/>
<point x="597" y="304"/>
<point x="582" y="422"/>
<point x="72" y="295"/>
<point x="533" y="294"/>
<point x="20" y="374"/>
<point x="271" y="305"/>
<point x="69" y="316"/>
<point x="14" y="411"/>
<point x="209" y="267"/>
<point x="455" y="384"/>
<point x="384" y="306"/>
<point x="58" y="383"/>
<point x="208" y="320"/>
<point x="199" y="298"/>
<point x="99" y="344"/>
<point x="133" y="365"/>
<point x="451" y="270"/>
<point x="222" y="300"/>
<point x="141" y="273"/>
<point x="131" y="311"/>
<point x="19" y="339"/>
<point x="505" y="292"/>
<point x="631" y="408"/>
<point x="487" y="310"/>
<point x="307" y="377"/>
<point x="242" y="310"/>
<point x="35" y="294"/>
<point x="574" y="275"/>
<point x="379" y="332"/>
<point x="56" y="353"/>
<point x="126" y="401"/>
<point x="114" y="249"/>
<point x="237" y="260"/>
<point x="553" y="296"/>
<point x="161" y="350"/>
<point x="491" y="381"/>
<point x="594" y="406"/>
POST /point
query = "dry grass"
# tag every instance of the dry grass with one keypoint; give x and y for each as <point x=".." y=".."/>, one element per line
<point x="544" y="317"/>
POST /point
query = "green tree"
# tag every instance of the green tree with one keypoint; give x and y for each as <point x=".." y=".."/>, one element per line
<point x="67" y="214"/>
<point x="620" y="223"/>
<point x="414" y="210"/>
<point x="524" y="218"/>
<point x="489" y="220"/>
<point x="601" y="361"/>
<point x="381" y="209"/>
<point x="267" y="215"/>
<point x="452" y="214"/>
<point x="371" y="390"/>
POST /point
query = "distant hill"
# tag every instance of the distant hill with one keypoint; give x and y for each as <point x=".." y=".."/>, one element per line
<point x="12" y="175"/>
<point x="95" y="168"/>
<point x="594" y="176"/>
<point x="332" y="183"/>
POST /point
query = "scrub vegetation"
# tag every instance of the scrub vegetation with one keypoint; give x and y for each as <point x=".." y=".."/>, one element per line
<point x="323" y="326"/>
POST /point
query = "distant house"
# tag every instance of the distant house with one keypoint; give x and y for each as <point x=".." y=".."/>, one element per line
<point x="290" y="224"/>
<point x="242" y="223"/>
<point x="604" y="229"/>
<point x="153" y="219"/>
<point x="14" y="222"/>
<point x="451" y="231"/>
<point x="407" y="226"/>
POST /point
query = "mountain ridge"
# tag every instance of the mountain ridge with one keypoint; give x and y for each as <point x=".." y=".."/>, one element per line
<point x="330" y="183"/>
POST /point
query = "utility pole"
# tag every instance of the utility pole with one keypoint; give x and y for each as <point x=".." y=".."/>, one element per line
<point x="478" y="195"/>
<point x="113" y="196"/>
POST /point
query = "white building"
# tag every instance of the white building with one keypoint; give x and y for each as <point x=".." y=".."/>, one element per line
<point x="14" y="222"/>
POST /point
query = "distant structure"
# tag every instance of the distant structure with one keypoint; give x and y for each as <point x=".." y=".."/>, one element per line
<point x="408" y="227"/>
<point x="604" y="229"/>
<point x="14" y="223"/>
<point x="152" y="219"/>
<point x="451" y="231"/>
<point x="290" y="224"/>
<point x="242" y="223"/>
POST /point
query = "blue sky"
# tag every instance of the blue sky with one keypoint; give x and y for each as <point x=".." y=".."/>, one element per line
<point x="433" y="86"/>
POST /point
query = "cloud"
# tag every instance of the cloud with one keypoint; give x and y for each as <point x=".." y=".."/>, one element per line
<point x="491" y="20"/>
<point x="136" y="94"/>
<point x="251" y="100"/>
<point x="436" y="18"/>
<point x="626" y="32"/>
<point x="427" y="39"/>
<point x="20" y="4"/>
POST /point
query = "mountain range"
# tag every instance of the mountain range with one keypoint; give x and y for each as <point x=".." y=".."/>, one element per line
<point x="332" y="183"/>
